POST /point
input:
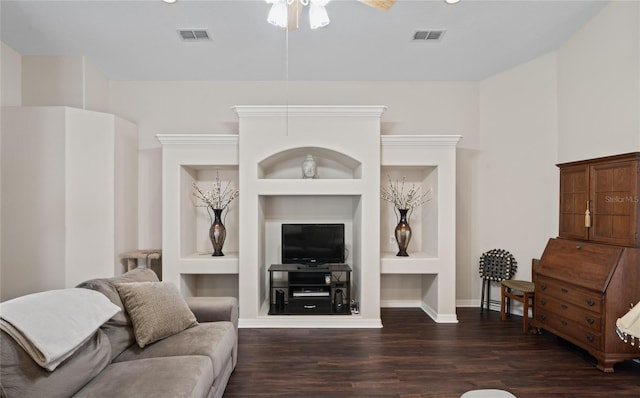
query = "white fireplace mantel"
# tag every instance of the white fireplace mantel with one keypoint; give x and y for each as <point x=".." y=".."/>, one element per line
<point x="354" y="159"/>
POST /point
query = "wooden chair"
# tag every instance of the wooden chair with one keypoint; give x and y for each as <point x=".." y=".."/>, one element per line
<point x="521" y="291"/>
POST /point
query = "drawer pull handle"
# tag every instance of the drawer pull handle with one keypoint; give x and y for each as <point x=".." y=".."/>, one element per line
<point x="309" y="306"/>
<point x="590" y="321"/>
<point x="589" y="338"/>
<point x="542" y="317"/>
<point x="543" y="302"/>
<point x="590" y="302"/>
<point x="543" y="287"/>
<point x="579" y="246"/>
<point x="564" y="306"/>
<point x="563" y="322"/>
<point x="564" y="290"/>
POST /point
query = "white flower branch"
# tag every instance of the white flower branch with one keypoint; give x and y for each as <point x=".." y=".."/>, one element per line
<point x="218" y="198"/>
<point x="395" y="194"/>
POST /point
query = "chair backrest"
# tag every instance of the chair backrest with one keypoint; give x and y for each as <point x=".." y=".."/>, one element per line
<point x="497" y="265"/>
<point x="534" y="265"/>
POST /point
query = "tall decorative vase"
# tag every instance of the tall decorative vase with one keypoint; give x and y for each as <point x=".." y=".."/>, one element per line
<point x="217" y="233"/>
<point x="403" y="233"/>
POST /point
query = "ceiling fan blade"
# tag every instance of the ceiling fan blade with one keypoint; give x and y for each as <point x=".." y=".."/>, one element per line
<point x="294" y="11"/>
<point x="383" y="5"/>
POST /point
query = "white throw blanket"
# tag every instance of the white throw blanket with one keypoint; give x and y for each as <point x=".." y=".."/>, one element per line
<point x="50" y="326"/>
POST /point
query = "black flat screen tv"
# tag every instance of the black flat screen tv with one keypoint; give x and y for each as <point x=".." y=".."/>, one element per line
<point x="312" y="244"/>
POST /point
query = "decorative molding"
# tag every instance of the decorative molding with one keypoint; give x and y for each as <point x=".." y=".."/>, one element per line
<point x="246" y="111"/>
<point x="197" y="139"/>
<point x="468" y="303"/>
<point x="430" y="140"/>
<point x="404" y="303"/>
<point x="439" y="318"/>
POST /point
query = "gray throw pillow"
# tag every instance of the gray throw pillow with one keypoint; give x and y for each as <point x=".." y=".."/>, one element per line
<point x="157" y="310"/>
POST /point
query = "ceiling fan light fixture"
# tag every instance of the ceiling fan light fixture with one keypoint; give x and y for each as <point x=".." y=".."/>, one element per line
<point x="278" y="13"/>
<point x="318" y="16"/>
<point x="451" y="1"/>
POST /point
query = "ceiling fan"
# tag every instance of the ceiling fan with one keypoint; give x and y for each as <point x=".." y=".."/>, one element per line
<point x="286" y="13"/>
<point x="379" y="4"/>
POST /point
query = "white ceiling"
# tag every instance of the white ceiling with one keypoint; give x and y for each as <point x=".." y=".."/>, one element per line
<point x="138" y="40"/>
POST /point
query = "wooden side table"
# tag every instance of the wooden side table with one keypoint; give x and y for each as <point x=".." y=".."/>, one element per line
<point x="153" y="260"/>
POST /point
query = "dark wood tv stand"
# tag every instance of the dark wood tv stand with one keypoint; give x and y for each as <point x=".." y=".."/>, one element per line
<point x="309" y="290"/>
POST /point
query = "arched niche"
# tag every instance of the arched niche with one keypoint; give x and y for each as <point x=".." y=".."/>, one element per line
<point x="331" y="164"/>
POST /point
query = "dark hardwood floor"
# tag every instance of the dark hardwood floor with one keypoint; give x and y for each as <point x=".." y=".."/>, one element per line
<point x="412" y="356"/>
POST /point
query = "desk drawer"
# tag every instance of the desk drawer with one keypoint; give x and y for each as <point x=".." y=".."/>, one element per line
<point x="581" y="297"/>
<point x="582" y="317"/>
<point x="569" y="329"/>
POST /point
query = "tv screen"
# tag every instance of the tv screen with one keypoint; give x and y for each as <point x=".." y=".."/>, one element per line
<point x="312" y="244"/>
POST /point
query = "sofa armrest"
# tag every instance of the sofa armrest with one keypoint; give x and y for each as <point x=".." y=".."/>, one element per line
<point x="212" y="309"/>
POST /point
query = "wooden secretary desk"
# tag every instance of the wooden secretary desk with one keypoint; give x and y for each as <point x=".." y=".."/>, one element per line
<point x="589" y="276"/>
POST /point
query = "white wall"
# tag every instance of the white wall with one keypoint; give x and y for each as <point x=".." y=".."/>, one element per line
<point x="508" y="124"/>
<point x="514" y="183"/>
<point x="205" y="107"/>
<point x="96" y="88"/>
<point x="599" y="85"/>
<point x="126" y="189"/>
<point x="513" y="125"/>
<point x="89" y="195"/>
<point x="68" y="201"/>
<point x="52" y="81"/>
<point x="518" y="112"/>
<point x="64" y="81"/>
<point x="33" y="209"/>
<point x="10" y="95"/>
<point x="11" y="76"/>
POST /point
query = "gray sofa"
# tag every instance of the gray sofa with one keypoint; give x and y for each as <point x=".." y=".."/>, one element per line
<point x="196" y="362"/>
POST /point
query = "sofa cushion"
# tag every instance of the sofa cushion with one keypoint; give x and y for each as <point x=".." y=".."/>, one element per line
<point x="22" y="377"/>
<point x="212" y="309"/>
<point x="157" y="310"/>
<point x="178" y="376"/>
<point x="213" y="339"/>
<point x="119" y="328"/>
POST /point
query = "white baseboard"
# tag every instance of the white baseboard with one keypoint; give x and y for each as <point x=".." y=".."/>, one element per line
<point x="310" y="321"/>
<point x="516" y="307"/>
<point x="439" y="318"/>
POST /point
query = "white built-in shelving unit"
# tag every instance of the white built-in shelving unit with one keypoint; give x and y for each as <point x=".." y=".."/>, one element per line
<point x="187" y="259"/>
<point x="426" y="278"/>
<point x="353" y="160"/>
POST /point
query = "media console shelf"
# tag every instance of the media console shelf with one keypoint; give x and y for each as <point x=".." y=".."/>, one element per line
<point x="303" y="290"/>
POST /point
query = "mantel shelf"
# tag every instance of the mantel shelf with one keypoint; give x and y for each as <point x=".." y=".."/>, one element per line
<point x="416" y="263"/>
<point x="197" y="263"/>
<point x="304" y="187"/>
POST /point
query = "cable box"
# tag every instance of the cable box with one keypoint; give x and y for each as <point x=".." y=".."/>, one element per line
<point x="307" y="292"/>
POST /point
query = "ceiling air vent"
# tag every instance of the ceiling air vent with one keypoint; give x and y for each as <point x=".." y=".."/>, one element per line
<point x="428" y="35"/>
<point x="193" y="34"/>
